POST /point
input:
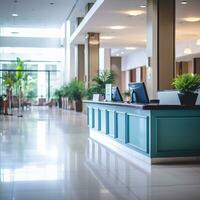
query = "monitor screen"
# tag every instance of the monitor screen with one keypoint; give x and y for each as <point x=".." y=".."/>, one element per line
<point x="138" y="93"/>
<point x="116" y="96"/>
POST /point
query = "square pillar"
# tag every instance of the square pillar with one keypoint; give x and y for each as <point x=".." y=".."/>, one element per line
<point x="91" y="57"/>
<point x="80" y="61"/>
<point x="160" y="45"/>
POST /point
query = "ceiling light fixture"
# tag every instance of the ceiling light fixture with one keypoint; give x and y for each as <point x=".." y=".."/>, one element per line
<point x="130" y="48"/>
<point x="106" y="37"/>
<point x="192" y="19"/>
<point x="187" y="51"/>
<point x="15" y="15"/>
<point x="94" y="42"/>
<point x="198" y="42"/>
<point x="117" y="54"/>
<point x="142" y="6"/>
<point x="184" y="2"/>
<point x="135" y="12"/>
<point x="117" y="27"/>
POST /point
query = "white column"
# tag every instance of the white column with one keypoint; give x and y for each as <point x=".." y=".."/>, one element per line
<point x="70" y="71"/>
<point x="104" y="58"/>
<point x="42" y="84"/>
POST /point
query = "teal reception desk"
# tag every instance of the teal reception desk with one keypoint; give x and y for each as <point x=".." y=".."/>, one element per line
<point x="154" y="133"/>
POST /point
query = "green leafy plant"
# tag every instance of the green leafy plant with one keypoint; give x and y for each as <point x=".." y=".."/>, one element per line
<point x="58" y="94"/>
<point x="65" y="91"/>
<point x="19" y="68"/>
<point x="99" y="82"/>
<point x="9" y="79"/>
<point x="187" y="83"/>
<point x="76" y="90"/>
<point x="126" y="94"/>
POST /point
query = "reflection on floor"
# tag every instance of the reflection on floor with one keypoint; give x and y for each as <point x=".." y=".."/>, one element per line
<point x="46" y="155"/>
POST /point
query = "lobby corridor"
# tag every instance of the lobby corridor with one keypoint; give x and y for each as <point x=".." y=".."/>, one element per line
<point x="46" y="155"/>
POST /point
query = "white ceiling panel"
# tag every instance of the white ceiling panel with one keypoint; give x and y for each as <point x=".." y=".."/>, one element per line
<point x="35" y="13"/>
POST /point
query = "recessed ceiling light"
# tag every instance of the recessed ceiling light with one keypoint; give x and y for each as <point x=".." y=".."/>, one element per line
<point x="117" y="27"/>
<point x="135" y="12"/>
<point x="142" y="6"/>
<point x="184" y="2"/>
<point x="117" y="54"/>
<point x="187" y="51"/>
<point x="106" y="37"/>
<point x="192" y="19"/>
<point x="15" y="15"/>
<point x="130" y="48"/>
<point x="94" y="42"/>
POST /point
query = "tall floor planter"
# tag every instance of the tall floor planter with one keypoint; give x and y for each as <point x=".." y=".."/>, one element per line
<point x="70" y="104"/>
<point x="79" y="105"/>
<point x="60" y="103"/>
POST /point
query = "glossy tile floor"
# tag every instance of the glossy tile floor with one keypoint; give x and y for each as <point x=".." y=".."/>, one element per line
<point x="46" y="155"/>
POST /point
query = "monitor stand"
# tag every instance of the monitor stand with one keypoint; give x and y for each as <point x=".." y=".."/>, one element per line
<point x="154" y="101"/>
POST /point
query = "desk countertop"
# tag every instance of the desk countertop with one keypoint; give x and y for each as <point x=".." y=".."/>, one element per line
<point x="145" y="106"/>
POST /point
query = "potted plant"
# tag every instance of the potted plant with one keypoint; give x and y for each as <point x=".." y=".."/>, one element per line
<point x="9" y="80"/>
<point x="58" y="96"/>
<point x="67" y="98"/>
<point x="76" y="92"/>
<point x="99" y="82"/>
<point x="187" y="85"/>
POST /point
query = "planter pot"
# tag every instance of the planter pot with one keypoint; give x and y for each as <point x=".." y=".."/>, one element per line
<point x="79" y="106"/>
<point x="70" y="105"/>
<point x="188" y="98"/>
<point x="60" y="103"/>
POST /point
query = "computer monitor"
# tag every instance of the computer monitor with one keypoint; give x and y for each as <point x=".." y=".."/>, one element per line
<point x="116" y="96"/>
<point x="138" y="93"/>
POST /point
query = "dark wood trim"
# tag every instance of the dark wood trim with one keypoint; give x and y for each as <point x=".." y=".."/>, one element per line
<point x="146" y="106"/>
<point x="158" y="44"/>
<point x="195" y="65"/>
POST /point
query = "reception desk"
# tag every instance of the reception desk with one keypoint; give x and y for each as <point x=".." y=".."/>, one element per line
<point x="152" y="133"/>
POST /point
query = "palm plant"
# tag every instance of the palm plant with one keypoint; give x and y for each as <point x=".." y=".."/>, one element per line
<point x="58" y="94"/>
<point x="76" y="90"/>
<point x="19" y="68"/>
<point x="99" y="82"/>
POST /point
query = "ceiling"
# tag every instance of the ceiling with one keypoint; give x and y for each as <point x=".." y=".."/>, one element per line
<point x="35" y="13"/>
<point x="187" y="30"/>
<point x="40" y="13"/>
<point x="110" y="13"/>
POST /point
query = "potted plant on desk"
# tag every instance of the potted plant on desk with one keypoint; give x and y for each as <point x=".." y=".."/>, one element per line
<point x="187" y="85"/>
<point x="99" y="82"/>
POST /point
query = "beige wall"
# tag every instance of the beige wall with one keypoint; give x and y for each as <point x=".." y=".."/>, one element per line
<point x="182" y="68"/>
<point x="116" y="67"/>
<point x="190" y="67"/>
<point x="196" y="65"/>
<point x="123" y="81"/>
